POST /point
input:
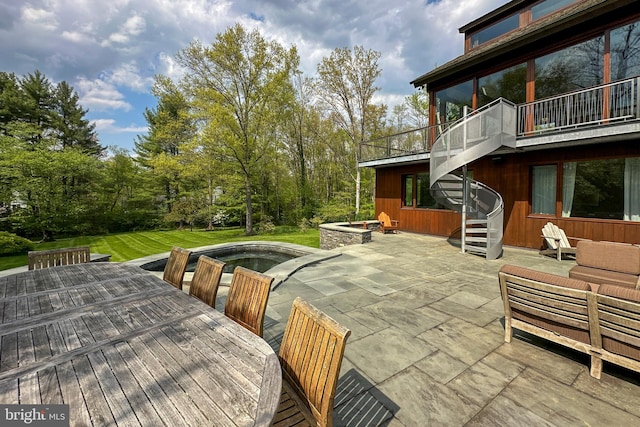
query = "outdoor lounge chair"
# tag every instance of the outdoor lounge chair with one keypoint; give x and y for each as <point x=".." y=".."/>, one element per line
<point x="54" y="257"/>
<point x="247" y="298"/>
<point x="387" y="224"/>
<point x="310" y="355"/>
<point x="557" y="242"/>
<point x="176" y="266"/>
<point x="206" y="279"/>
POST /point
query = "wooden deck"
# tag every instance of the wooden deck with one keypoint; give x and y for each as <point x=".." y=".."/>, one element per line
<point x="122" y="347"/>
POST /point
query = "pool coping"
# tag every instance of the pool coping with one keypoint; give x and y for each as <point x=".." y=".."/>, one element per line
<point x="280" y="272"/>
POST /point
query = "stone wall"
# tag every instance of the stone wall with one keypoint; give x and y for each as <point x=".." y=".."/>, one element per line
<point x="339" y="234"/>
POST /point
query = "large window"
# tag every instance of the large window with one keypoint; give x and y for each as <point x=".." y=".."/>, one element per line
<point x="423" y="194"/>
<point x="450" y="102"/>
<point x="625" y="52"/>
<point x="577" y="67"/>
<point x="605" y="189"/>
<point x="547" y="6"/>
<point x="544" y="179"/>
<point x="510" y="84"/>
<point x="495" y="30"/>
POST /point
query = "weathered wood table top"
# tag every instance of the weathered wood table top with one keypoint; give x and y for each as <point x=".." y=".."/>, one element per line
<point x="122" y="347"/>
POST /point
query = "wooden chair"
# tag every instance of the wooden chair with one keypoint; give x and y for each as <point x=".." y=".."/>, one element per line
<point x="387" y="224"/>
<point x="311" y="356"/>
<point x="176" y="266"/>
<point x="206" y="279"/>
<point x="54" y="257"/>
<point x="557" y="242"/>
<point x="247" y="298"/>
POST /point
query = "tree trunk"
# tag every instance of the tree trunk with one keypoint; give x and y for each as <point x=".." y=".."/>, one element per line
<point x="249" y="216"/>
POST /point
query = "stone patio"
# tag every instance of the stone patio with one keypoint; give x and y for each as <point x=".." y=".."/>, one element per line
<point x="427" y="344"/>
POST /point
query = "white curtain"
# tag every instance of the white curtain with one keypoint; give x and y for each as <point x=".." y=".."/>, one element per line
<point x="632" y="189"/>
<point x="544" y="189"/>
<point x="568" y="187"/>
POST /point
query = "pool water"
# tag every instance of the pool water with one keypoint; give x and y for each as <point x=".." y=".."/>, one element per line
<point x="257" y="261"/>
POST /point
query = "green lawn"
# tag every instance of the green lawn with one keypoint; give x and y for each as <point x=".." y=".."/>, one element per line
<point x="127" y="246"/>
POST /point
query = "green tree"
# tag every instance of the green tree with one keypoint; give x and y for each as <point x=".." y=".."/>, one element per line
<point x="68" y="122"/>
<point x="239" y="84"/>
<point x="346" y="83"/>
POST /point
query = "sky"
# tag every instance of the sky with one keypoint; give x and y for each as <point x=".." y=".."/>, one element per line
<point x="110" y="50"/>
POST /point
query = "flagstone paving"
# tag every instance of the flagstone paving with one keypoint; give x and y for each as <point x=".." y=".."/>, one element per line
<point x="427" y="344"/>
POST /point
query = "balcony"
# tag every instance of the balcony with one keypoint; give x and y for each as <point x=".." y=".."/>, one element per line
<point x="600" y="113"/>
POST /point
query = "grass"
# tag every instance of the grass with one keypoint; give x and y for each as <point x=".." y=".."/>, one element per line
<point x="128" y="246"/>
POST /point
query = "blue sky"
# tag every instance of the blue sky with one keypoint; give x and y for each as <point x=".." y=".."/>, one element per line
<point x="109" y="51"/>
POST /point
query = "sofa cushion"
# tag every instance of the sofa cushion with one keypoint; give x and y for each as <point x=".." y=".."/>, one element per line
<point x="621" y="257"/>
<point x="600" y="276"/>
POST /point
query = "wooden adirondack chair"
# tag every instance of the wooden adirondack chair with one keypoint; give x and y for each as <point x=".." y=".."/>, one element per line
<point x="557" y="242"/>
<point x="387" y="224"/>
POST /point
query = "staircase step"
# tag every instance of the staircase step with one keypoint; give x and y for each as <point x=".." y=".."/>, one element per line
<point x="477" y="249"/>
<point x="476" y="221"/>
<point x="469" y="239"/>
<point x="476" y="230"/>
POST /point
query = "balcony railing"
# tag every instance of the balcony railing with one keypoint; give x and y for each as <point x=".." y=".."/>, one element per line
<point x="602" y="105"/>
<point x="606" y="104"/>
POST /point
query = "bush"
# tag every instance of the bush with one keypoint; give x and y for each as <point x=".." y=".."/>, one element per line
<point x="10" y="244"/>
<point x="266" y="226"/>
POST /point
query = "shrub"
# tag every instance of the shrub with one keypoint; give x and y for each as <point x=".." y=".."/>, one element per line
<point x="10" y="244"/>
<point x="266" y="226"/>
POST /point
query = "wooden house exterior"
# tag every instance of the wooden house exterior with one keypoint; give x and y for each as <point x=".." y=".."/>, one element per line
<point x="561" y="80"/>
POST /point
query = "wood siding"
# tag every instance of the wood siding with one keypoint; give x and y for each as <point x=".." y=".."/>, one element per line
<point x="509" y="174"/>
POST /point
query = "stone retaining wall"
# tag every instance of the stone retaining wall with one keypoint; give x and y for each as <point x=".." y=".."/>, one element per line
<point x="339" y="234"/>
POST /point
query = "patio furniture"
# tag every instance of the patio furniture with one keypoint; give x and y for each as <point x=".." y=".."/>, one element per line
<point x="206" y="279"/>
<point x="557" y="242"/>
<point x="599" y="320"/>
<point x="176" y="266"/>
<point x="607" y="262"/>
<point x="55" y="257"/>
<point x="122" y="347"/>
<point x="247" y="298"/>
<point x="387" y="224"/>
<point x="310" y="355"/>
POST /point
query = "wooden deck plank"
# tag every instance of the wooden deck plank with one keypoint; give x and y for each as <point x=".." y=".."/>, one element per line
<point x="97" y="406"/>
<point x="72" y="395"/>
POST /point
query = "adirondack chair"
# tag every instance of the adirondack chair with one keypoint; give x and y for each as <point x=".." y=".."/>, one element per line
<point x="387" y="224"/>
<point x="557" y="242"/>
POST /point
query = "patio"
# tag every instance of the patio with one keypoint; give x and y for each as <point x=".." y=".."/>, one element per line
<point x="427" y="342"/>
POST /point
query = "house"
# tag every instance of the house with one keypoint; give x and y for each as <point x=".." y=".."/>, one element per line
<point x="538" y="121"/>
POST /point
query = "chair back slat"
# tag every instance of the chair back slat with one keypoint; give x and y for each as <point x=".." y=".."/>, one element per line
<point x="247" y="298"/>
<point x="176" y="266"/>
<point x="55" y="257"/>
<point x="311" y="355"/>
<point x="206" y="279"/>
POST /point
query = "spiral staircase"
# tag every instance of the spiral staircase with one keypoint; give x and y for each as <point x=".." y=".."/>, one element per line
<point x="477" y="134"/>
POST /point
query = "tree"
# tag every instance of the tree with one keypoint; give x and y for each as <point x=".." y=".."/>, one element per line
<point x="239" y="84"/>
<point x="346" y="83"/>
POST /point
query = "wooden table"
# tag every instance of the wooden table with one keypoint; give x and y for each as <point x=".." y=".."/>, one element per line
<point x="122" y="347"/>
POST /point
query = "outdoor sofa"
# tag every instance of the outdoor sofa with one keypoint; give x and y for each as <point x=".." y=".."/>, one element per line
<point x="607" y="263"/>
<point x="602" y="321"/>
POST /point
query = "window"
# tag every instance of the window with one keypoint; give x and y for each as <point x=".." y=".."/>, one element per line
<point x="495" y="30"/>
<point x="423" y="194"/>
<point x="577" y="67"/>
<point x="625" y="52"/>
<point x="605" y="189"/>
<point x="510" y="84"/>
<point x="407" y="190"/>
<point x="547" y="6"/>
<point x="451" y="101"/>
<point x="544" y="180"/>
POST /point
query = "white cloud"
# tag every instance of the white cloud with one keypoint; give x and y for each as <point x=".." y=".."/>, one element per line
<point x="110" y="126"/>
<point x="99" y="95"/>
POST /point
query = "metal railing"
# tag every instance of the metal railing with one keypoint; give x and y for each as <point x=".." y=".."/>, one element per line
<point x="605" y="104"/>
<point x="413" y="141"/>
